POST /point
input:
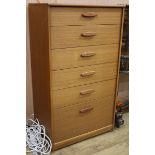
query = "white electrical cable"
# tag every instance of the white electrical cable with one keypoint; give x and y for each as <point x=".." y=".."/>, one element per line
<point x="36" y="138"/>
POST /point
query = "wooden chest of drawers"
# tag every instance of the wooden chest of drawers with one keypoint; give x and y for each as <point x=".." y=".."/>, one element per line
<point x="75" y="64"/>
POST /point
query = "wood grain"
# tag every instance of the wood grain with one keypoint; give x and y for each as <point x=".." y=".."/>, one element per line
<point x="70" y="36"/>
<point x="71" y="57"/>
<point x="61" y="16"/>
<point x="39" y="47"/>
<point x="29" y="95"/>
<point x="64" y="119"/>
<point x="95" y="3"/>
<point x="57" y="109"/>
<point x="70" y="96"/>
<point x="75" y="76"/>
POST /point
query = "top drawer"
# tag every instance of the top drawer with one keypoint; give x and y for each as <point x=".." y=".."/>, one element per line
<point x="83" y="16"/>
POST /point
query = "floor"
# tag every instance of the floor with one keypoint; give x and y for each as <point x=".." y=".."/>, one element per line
<point x="111" y="143"/>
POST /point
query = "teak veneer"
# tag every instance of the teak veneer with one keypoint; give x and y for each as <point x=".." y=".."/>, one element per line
<point x="75" y="55"/>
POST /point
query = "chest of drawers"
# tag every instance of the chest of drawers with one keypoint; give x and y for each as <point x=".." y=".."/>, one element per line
<point x="75" y="64"/>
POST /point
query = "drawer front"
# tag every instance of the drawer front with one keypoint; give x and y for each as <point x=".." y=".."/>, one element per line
<point x="82" y="16"/>
<point x="83" y="56"/>
<point x="82" y="75"/>
<point x="76" y="36"/>
<point x="78" y="119"/>
<point x="75" y="95"/>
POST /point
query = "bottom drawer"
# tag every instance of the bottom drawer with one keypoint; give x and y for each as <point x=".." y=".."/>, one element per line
<point x="77" y="119"/>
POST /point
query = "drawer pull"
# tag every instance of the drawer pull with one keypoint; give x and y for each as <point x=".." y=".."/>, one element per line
<point x="89" y="14"/>
<point x="86" y="110"/>
<point x="85" y="92"/>
<point x="88" y="34"/>
<point x="87" y="54"/>
<point x="89" y="73"/>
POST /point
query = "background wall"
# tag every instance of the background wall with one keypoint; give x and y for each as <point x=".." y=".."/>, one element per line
<point x="29" y="95"/>
<point x="88" y="2"/>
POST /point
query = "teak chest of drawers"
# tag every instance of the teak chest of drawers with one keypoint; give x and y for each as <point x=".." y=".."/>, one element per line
<point x="75" y="54"/>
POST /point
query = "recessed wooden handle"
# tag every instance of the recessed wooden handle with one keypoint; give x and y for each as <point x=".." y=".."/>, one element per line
<point x="89" y="73"/>
<point x="86" y="110"/>
<point x="89" y="14"/>
<point x="88" y="91"/>
<point x="88" y="34"/>
<point x="87" y="54"/>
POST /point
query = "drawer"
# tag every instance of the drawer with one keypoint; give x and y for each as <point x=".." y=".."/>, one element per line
<point x="79" y="119"/>
<point x="76" y="36"/>
<point x="82" y="16"/>
<point x="83" y="56"/>
<point x="82" y="75"/>
<point x="75" y="95"/>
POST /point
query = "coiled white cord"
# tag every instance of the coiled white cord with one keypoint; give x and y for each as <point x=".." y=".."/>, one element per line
<point x="36" y="138"/>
